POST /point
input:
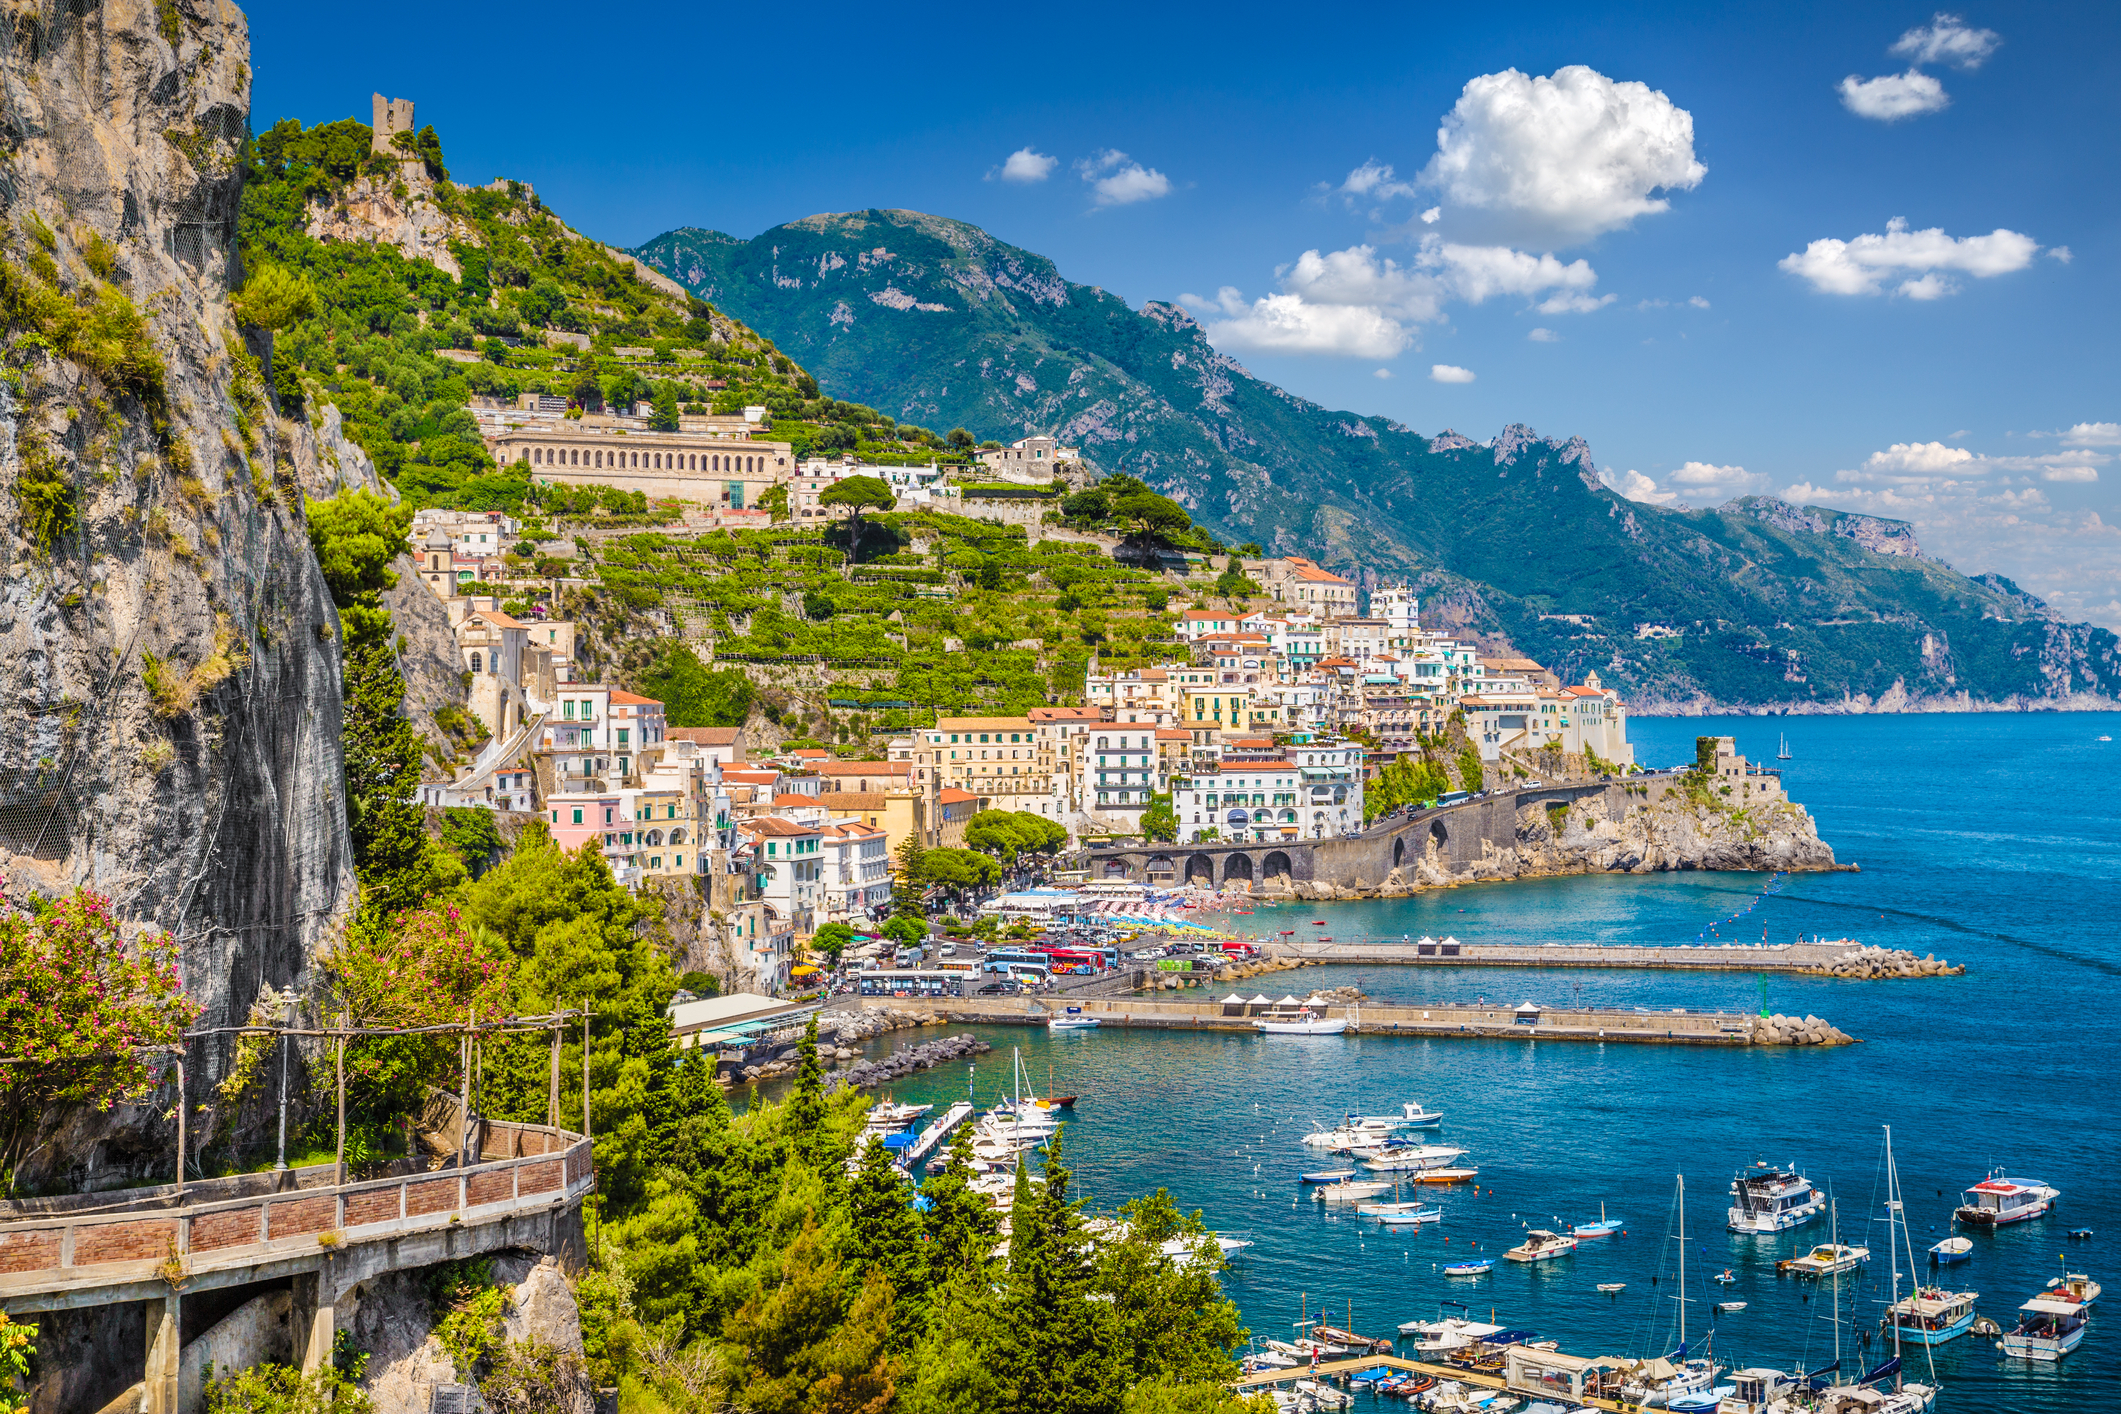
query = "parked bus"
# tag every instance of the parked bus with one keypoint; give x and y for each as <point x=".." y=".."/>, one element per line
<point x="912" y="984"/>
<point x="1002" y="959"/>
<point x="1074" y="960"/>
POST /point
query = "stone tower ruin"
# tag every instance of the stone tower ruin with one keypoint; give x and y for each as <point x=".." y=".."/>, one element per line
<point x="392" y="116"/>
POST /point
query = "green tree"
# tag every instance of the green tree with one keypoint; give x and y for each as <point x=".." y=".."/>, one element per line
<point x="1160" y="821"/>
<point x="961" y="871"/>
<point x="857" y="494"/>
<point x="664" y="417"/>
<point x="1469" y="772"/>
<point x="832" y="940"/>
<point x="884" y="1233"/>
<point x="1056" y="1354"/>
<point x="800" y="1346"/>
<point x="356" y="534"/>
<point x="396" y="861"/>
<point x="959" y="1225"/>
<point x="695" y="696"/>
<point x="274" y="298"/>
<point x="960" y="439"/>
<point x="906" y="929"/>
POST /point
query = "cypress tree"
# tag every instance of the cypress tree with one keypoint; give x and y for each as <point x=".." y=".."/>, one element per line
<point x="886" y="1232"/>
<point x="806" y="1106"/>
<point x="959" y="1225"/>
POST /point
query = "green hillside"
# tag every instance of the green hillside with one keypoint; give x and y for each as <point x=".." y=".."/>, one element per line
<point x="935" y="321"/>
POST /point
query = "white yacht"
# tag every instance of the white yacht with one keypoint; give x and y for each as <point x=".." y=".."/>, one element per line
<point x="1539" y="1245"/>
<point x="1450" y="1333"/>
<point x="1408" y="1156"/>
<point x="1825" y="1260"/>
<point x="2047" y="1329"/>
<point x="1997" y="1200"/>
<point x="1771" y="1200"/>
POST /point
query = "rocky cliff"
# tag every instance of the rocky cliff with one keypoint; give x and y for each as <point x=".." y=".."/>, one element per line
<point x="169" y="664"/>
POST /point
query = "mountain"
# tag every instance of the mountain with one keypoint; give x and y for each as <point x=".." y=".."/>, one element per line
<point x="1756" y="604"/>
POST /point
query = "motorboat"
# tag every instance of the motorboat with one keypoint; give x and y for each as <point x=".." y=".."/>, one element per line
<point x="1327" y="1175"/>
<point x="1478" y="1268"/>
<point x="1539" y="1245"/>
<point x="1431" y="1337"/>
<point x="1320" y="1026"/>
<point x="1767" y="1200"/>
<point x="2074" y="1286"/>
<point x="1348" y="1136"/>
<point x="1189" y="1246"/>
<point x="1604" y="1227"/>
<point x="1400" y="1214"/>
<point x="1931" y="1315"/>
<point x="1825" y="1260"/>
<point x="1410" y="1116"/>
<point x="1446" y="1175"/>
<point x="1352" y="1190"/>
<point x="2047" y="1329"/>
<point x="885" y="1114"/>
<point x="1067" y="1021"/>
<point x="1414" y="1156"/>
<point x="1951" y="1251"/>
<point x="1998" y="1200"/>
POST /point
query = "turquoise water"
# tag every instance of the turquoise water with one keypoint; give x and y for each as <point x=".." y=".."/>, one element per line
<point x="1989" y="840"/>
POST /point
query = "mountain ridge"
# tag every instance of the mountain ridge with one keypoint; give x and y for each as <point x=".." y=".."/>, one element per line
<point x="1754" y="605"/>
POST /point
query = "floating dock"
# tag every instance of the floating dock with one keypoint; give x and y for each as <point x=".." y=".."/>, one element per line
<point x="920" y="1150"/>
<point x="1333" y="1369"/>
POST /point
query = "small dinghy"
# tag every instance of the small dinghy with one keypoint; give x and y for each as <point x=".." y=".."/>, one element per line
<point x="1730" y="1305"/>
<point x="1328" y="1175"/>
<point x="1604" y="1227"/>
<point x="1725" y="1277"/>
<point x="1952" y="1249"/>
<point x="2080" y="1234"/>
<point x="1610" y="1287"/>
<point x="1470" y="1269"/>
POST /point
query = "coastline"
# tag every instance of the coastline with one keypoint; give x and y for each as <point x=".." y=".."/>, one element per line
<point x="1895" y="701"/>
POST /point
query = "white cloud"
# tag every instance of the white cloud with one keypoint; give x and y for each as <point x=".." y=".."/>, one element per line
<point x="2070" y="473"/>
<point x="1544" y="336"/>
<point x="2093" y="434"/>
<point x="1891" y="97"/>
<point x="1925" y="457"/>
<point x="1382" y="373"/>
<point x="2060" y="253"/>
<point x="1862" y="266"/>
<point x="1024" y="165"/>
<point x="1380" y="300"/>
<point x="1713" y="482"/>
<point x="1559" y="160"/>
<point x="1374" y="179"/>
<point x="1450" y="373"/>
<point x="1115" y="180"/>
<point x="1637" y="487"/>
<point x="1698" y="302"/>
<point x="1947" y="39"/>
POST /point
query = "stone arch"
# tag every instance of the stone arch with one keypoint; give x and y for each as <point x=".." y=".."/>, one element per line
<point x="1237" y="866"/>
<point x="1116" y="869"/>
<point x="654" y="839"/>
<point x="1439" y="834"/>
<point x="1200" y="867"/>
<point x="1399" y="851"/>
<point x="677" y="836"/>
<point x="1161" y="866"/>
<point x="1276" y="866"/>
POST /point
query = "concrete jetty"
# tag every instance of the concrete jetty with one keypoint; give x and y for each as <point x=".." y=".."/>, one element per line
<point x="1483" y="1020"/>
<point x="1838" y="958"/>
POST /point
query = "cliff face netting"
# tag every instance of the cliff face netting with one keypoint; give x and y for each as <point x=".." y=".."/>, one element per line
<point x="169" y="656"/>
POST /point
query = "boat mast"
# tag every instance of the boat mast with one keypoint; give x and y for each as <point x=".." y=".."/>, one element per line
<point x="1892" y="1244"/>
<point x="1833" y="1210"/>
<point x="1681" y="1298"/>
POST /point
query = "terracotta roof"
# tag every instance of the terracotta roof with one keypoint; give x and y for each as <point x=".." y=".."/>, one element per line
<point x="751" y="778"/>
<point x="954" y="796"/>
<point x="705" y="736"/>
<point x="857" y="800"/>
<point x="774" y="825"/>
<point x="1172" y="734"/>
<point x="852" y="829"/>
<point x="632" y="700"/>
<point x="1067" y="714"/>
<point x="1198" y="615"/>
<point x="1259" y="765"/>
<point x="799" y="802"/>
<point x="499" y="619"/>
<point x="864" y="768"/>
<point x="813" y="753"/>
<point x="1336" y="662"/>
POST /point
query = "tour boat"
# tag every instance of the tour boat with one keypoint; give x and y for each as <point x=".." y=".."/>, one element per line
<point x="2074" y="1286"/>
<point x="1997" y="1200"/>
<point x="1930" y="1315"/>
<point x="1950" y="1251"/>
<point x="1604" y="1227"/>
<point x="1328" y="1175"/>
<point x="2047" y="1329"/>
<point x="1349" y="1191"/>
<point x="1773" y="1200"/>
<point x="1478" y="1268"/>
<point x="1825" y="1260"/>
<point x="1319" y="1027"/>
<point x="1539" y="1245"/>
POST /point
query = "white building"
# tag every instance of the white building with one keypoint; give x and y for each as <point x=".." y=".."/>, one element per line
<point x="856" y="872"/>
<point x="1253" y="801"/>
<point x="790" y="860"/>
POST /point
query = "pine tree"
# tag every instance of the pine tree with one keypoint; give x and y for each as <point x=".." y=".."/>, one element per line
<point x="1056" y="1356"/>
<point x="798" y="1346"/>
<point x="397" y="863"/>
<point x="886" y="1232"/>
<point x="959" y="1225"/>
<point x="806" y="1106"/>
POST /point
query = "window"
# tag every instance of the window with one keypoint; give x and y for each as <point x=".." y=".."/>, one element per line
<point x="578" y="816"/>
<point x="567" y="709"/>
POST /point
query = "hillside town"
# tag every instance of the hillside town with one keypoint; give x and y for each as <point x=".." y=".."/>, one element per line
<point x="1272" y="716"/>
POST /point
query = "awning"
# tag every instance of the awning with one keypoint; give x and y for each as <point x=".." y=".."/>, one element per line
<point x="2052" y="1308"/>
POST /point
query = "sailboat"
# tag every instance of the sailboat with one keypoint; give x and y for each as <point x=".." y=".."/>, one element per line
<point x="1604" y="1227"/>
<point x="1686" y="1386"/>
<point x="1782" y="752"/>
<point x="1398" y="1213"/>
<point x="1869" y="1393"/>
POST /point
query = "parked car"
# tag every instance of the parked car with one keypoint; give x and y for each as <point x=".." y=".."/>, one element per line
<point x="999" y="989"/>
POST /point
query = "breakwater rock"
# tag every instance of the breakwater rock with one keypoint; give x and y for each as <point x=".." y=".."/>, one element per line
<point x="1780" y="1030"/>
<point x="1879" y="963"/>
<point x="907" y="1059"/>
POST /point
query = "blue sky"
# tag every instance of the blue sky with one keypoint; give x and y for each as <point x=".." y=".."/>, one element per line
<point x="1635" y="211"/>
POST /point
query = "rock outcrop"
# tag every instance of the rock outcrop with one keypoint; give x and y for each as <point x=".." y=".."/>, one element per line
<point x="907" y="1059"/>
<point x="1876" y="964"/>
<point x="393" y="1319"/>
<point x="170" y="735"/>
<point x="1780" y="1030"/>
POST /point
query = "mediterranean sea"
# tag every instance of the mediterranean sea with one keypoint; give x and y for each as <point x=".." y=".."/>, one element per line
<point x="1990" y="840"/>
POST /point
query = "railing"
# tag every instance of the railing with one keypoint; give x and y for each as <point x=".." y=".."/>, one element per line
<point x="522" y="1167"/>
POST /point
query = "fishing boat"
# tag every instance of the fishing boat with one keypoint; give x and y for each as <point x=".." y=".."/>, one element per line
<point x="1604" y="1227"/>
<point x="2047" y="1329"/>
<point x="1349" y="1190"/>
<point x="1825" y="1260"/>
<point x="1070" y="1020"/>
<point x="1539" y="1245"/>
<point x="1479" y="1268"/>
<point x="1931" y="1315"/>
<point x="1466" y="1175"/>
<point x="1951" y="1251"/>
<point x="1321" y="1026"/>
<point x="1327" y="1175"/>
<point x="2074" y="1286"/>
<point x="1767" y="1200"/>
<point x="1998" y="1200"/>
